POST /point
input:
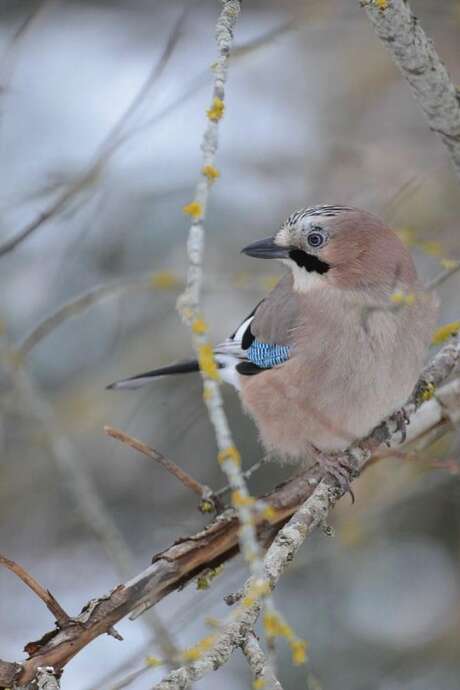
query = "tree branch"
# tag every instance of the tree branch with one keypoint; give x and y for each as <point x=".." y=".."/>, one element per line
<point x="45" y="595"/>
<point x="204" y="492"/>
<point x="260" y="668"/>
<point x="307" y="493"/>
<point x="420" y="64"/>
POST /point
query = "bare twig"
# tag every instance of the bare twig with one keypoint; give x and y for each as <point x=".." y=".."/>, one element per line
<point x="260" y="668"/>
<point x="44" y="594"/>
<point x="107" y="148"/>
<point x="200" y="490"/>
<point x="117" y="137"/>
<point x="78" y="304"/>
<point x="420" y="64"/>
<point x="443" y="276"/>
<point x="92" y="509"/>
<point x="246" y="475"/>
<point x="217" y="543"/>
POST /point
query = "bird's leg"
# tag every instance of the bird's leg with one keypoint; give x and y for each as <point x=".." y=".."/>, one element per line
<point x="401" y="420"/>
<point x="341" y="467"/>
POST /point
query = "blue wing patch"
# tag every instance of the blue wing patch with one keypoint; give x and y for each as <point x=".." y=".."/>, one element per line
<point x="266" y="355"/>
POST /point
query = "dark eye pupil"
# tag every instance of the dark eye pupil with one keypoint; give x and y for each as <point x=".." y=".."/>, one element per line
<point x="315" y="239"/>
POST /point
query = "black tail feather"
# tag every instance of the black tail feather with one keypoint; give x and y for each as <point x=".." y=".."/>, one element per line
<point x="139" y="380"/>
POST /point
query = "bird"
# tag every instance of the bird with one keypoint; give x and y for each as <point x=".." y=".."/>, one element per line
<point x="337" y="345"/>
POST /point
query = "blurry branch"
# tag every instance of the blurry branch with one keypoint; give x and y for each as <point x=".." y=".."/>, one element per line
<point x="108" y="146"/>
<point x="7" y="59"/>
<point x="202" y="80"/>
<point x="190" y="308"/>
<point x="79" y="304"/>
<point x="118" y="137"/>
<point x="420" y="64"/>
<point x="201" y="490"/>
<point x="443" y="276"/>
<point x="159" y="280"/>
<point x="262" y="673"/>
<point x="307" y="497"/>
<point x="45" y="595"/>
<point x="67" y="460"/>
<point x="163" y="280"/>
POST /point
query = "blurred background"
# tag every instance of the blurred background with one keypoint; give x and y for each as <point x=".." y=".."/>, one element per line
<point x="99" y="150"/>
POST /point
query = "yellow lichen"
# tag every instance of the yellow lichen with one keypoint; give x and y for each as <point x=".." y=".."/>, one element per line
<point x="206" y="506"/>
<point x="195" y="652"/>
<point x="430" y="247"/>
<point x="276" y="627"/>
<point x="205" y="579"/>
<point x="194" y="209"/>
<point x="449" y="264"/>
<point x="399" y="297"/>
<point x="258" y="684"/>
<point x="229" y="454"/>
<point x="210" y="172"/>
<point x="427" y="392"/>
<point x="216" y="111"/>
<point x="199" y="326"/>
<point x="444" y="332"/>
<point x="239" y="500"/>
<point x="207" y="362"/>
<point x="260" y="588"/>
<point x="298" y="651"/>
<point x="153" y="661"/>
<point x="381" y="4"/>
<point x="164" y="280"/>
<point x="269" y="513"/>
<point x="213" y="622"/>
<point x="407" y="236"/>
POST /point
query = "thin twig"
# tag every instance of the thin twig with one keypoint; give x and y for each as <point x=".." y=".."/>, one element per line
<point x="246" y="475"/>
<point x="263" y="675"/>
<point x="91" y="507"/>
<point x="108" y="146"/>
<point x="78" y="304"/>
<point x="442" y="277"/>
<point x="44" y="594"/>
<point x="200" y="490"/>
<point x="117" y="137"/>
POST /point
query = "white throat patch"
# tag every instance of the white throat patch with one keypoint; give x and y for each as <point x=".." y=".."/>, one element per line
<point x="304" y="281"/>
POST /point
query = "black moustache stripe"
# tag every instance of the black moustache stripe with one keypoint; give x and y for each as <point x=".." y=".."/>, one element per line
<point x="308" y="261"/>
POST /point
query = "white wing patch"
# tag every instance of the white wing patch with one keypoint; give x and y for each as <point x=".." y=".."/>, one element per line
<point x="229" y="353"/>
<point x="232" y="346"/>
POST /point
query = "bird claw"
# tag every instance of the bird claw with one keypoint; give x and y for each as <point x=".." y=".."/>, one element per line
<point x="401" y="421"/>
<point x="341" y="469"/>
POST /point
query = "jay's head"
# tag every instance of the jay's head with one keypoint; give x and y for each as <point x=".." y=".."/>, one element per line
<point x="339" y="246"/>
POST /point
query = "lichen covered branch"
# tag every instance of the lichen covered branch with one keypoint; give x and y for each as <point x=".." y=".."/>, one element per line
<point x="307" y="497"/>
<point x="415" y="56"/>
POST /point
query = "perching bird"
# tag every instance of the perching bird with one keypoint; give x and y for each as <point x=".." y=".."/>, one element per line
<point x="337" y="345"/>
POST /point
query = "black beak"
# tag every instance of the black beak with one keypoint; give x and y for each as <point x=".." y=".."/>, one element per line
<point x="266" y="249"/>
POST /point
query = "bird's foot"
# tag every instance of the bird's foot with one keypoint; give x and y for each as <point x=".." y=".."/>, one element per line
<point x="342" y="468"/>
<point x="401" y="420"/>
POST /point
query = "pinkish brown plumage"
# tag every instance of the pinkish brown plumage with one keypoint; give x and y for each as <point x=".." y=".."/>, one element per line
<point x="329" y="352"/>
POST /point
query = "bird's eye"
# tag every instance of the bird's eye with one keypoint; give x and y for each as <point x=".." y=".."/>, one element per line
<point x="315" y="239"/>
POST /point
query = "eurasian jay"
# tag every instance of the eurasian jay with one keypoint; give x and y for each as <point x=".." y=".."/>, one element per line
<point x="337" y="345"/>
